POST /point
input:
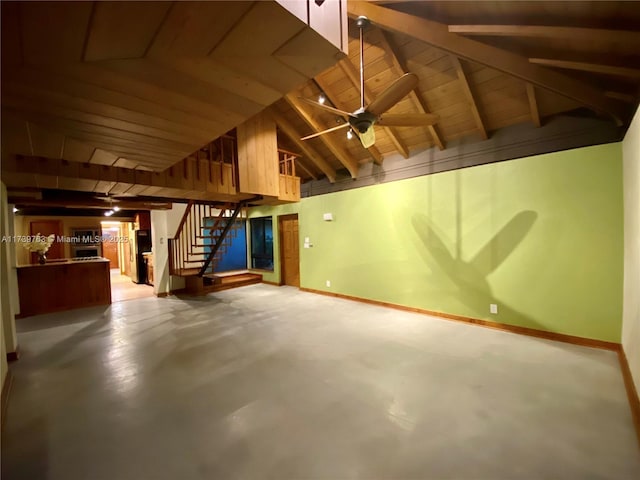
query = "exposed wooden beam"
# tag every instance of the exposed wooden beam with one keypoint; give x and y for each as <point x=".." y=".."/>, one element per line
<point x="533" y="105"/>
<point x="623" y="97"/>
<point x="416" y="98"/>
<point x="341" y="154"/>
<point x="129" y="204"/>
<point x="375" y="153"/>
<point x="438" y="35"/>
<point x="462" y="77"/>
<point x="306" y="148"/>
<point x="43" y="172"/>
<point x="588" y="67"/>
<point x="539" y="31"/>
<point x="306" y="169"/>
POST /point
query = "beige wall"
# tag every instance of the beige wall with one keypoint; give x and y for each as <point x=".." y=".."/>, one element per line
<point x="8" y="281"/>
<point x="631" y="301"/>
<point x="4" y="368"/>
<point x="164" y="224"/>
<point x="22" y="223"/>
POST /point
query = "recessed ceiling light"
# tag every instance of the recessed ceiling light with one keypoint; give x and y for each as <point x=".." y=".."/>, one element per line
<point x="349" y="134"/>
<point x="322" y="99"/>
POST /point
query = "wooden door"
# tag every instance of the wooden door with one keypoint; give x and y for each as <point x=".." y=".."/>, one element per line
<point x="46" y="228"/>
<point x="289" y="250"/>
<point x="110" y="247"/>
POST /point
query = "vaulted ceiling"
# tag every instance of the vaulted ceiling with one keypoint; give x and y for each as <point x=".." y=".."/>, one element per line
<point x="482" y="66"/>
<point x="143" y="85"/>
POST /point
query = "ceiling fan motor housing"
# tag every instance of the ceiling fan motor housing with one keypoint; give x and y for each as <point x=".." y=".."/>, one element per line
<point x="362" y="120"/>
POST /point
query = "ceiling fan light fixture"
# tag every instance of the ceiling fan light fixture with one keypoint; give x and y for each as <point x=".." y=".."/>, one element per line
<point x="116" y="209"/>
<point x="108" y="213"/>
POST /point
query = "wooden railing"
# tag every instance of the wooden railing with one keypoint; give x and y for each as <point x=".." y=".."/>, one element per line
<point x="203" y="236"/>
<point x="212" y="169"/>
<point x="289" y="182"/>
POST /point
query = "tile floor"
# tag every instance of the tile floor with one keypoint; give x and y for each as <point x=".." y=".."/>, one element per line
<point x="122" y="288"/>
<point x="262" y="382"/>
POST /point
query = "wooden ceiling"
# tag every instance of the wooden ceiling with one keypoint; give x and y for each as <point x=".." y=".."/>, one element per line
<point x="144" y="84"/>
<point x="482" y="66"/>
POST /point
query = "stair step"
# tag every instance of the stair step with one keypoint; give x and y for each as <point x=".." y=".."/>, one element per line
<point x="186" y="272"/>
<point x="230" y="281"/>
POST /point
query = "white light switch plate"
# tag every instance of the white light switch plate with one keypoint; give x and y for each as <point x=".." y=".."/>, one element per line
<point x="493" y="308"/>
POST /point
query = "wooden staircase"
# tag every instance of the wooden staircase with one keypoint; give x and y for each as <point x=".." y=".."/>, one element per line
<point x="204" y="235"/>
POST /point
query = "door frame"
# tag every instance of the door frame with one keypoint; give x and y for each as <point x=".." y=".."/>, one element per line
<point x="116" y="231"/>
<point x="288" y="216"/>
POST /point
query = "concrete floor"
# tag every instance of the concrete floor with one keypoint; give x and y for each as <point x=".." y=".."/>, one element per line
<point x="262" y="382"/>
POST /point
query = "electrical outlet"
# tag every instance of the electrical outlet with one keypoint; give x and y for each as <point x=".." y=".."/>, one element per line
<point x="328" y="283"/>
<point x="493" y="308"/>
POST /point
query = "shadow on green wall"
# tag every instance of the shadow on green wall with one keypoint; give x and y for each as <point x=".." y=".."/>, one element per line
<point x="470" y="277"/>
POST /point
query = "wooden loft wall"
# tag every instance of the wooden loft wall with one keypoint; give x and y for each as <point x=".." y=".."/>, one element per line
<point x="263" y="168"/>
<point x="220" y="171"/>
<point x="258" y="169"/>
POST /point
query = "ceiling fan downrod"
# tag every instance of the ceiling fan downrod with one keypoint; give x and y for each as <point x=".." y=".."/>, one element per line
<point x="362" y="23"/>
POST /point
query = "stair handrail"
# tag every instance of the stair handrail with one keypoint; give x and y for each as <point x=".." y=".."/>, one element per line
<point x="187" y="211"/>
<point x="223" y="234"/>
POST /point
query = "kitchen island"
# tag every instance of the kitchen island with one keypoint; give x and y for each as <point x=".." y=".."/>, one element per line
<point x="63" y="285"/>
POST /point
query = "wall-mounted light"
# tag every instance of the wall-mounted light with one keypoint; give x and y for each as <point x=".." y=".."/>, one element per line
<point x="349" y="134"/>
<point x="15" y="209"/>
<point x="322" y="99"/>
<point x="108" y="213"/>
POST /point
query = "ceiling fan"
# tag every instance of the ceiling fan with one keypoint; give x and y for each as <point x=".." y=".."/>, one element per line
<point x="363" y="119"/>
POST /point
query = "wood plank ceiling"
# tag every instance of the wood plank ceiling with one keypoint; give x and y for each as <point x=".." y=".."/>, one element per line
<point x="143" y="85"/>
<point x="482" y="66"/>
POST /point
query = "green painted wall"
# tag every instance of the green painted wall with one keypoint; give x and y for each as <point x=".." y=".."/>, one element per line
<point x="542" y="237"/>
<point x="274" y="212"/>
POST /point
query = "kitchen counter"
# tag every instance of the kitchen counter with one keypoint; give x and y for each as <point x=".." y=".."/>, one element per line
<point x="65" y="261"/>
<point x="63" y="285"/>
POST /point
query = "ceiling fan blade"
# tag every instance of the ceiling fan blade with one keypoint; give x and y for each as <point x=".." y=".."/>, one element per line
<point x="393" y="94"/>
<point x="368" y="138"/>
<point x="332" y="129"/>
<point x="407" y="120"/>
<point x="327" y="108"/>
